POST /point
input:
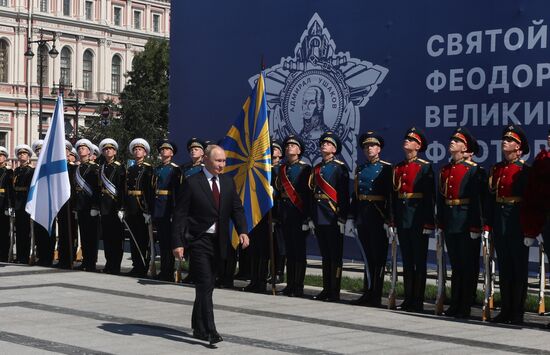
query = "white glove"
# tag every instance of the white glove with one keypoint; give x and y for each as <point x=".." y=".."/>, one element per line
<point x="311" y="225"/>
<point x="528" y="241"/>
<point x="7" y="212"/>
<point x="342" y="227"/>
<point x="75" y="214"/>
<point x="94" y="212"/>
<point x="485" y="234"/>
<point x="474" y="235"/>
<point x="147" y="218"/>
<point x="539" y="239"/>
<point x="350" y="226"/>
<point x="120" y="215"/>
<point x="305" y="227"/>
<point x="427" y="231"/>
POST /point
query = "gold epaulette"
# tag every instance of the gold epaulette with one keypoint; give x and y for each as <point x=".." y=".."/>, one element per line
<point x="92" y="162"/>
<point x="174" y="165"/>
<point x="384" y="162"/>
<point x="470" y="162"/>
<point x="71" y="163"/>
<point x="423" y="161"/>
<point x="146" y="163"/>
<point x="339" y="162"/>
<point x="116" y="163"/>
<point x="301" y="162"/>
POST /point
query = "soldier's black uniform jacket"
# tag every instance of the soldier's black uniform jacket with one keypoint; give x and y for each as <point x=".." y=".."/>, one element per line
<point x="189" y="169"/>
<point x="139" y="194"/>
<point x="293" y="193"/>
<point x="372" y="196"/>
<point x="86" y="181"/>
<point x="6" y="191"/>
<point x="166" y="182"/>
<point x="459" y="199"/>
<point x="329" y="182"/>
<point x="112" y="181"/>
<point x="22" y="178"/>
<point x="413" y="183"/>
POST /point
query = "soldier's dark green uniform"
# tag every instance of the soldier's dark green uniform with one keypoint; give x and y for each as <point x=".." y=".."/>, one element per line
<point x="166" y="182"/>
<point x="293" y="210"/>
<point x="371" y="209"/>
<point x="6" y="181"/>
<point x="459" y="217"/>
<point x="414" y="199"/>
<point x="329" y="183"/>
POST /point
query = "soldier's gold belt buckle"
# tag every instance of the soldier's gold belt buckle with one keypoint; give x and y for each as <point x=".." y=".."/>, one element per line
<point x="457" y="201"/>
<point x="409" y="195"/>
<point x="371" y="198"/>
<point x="135" y="192"/>
<point x="512" y="200"/>
<point x="163" y="192"/>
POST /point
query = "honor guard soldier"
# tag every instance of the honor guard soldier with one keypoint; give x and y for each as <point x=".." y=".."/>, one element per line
<point x="166" y="182"/>
<point x="507" y="182"/>
<point x="112" y="180"/>
<point x="371" y="212"/>
<point x="294" y="205"/>
<point x="330" y="204"/>
<point x="137" y="205"/>
<point x="277" y="153"/>
<point x="22" y="178"/>
<point x="86" y="203"/>
<point x="6" y="210"/>
<point x="45" y="244"/>
<point x="66" y="220"/>
<point x="459" y="218"/>
<point x="413" y="183"/>
<point x="195" y="148"/>
<point x="95" y="153"/>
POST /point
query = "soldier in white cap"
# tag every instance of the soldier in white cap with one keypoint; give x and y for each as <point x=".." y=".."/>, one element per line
<point x="86" y="203"/>
<point x="22" y="177"/>
<point x="95" y="153"/>
<point x="6" y="181"/>
<point x="112" y="180"/>
<point x="137" y="204"/>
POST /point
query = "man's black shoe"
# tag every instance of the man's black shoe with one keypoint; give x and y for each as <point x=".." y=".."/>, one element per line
<point x="321" y="296"/>
<point x="214" y="338"/>
<point x="361" y="301"/>
<point x="501" y="318"/>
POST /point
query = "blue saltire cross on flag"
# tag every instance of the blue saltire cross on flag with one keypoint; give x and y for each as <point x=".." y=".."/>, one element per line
<point x="50" y="186"/>
<point x="248" y="151"/>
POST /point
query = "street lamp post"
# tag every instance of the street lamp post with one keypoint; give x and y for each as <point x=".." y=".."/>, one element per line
<point x="77" y="105"/>
<point x="29" y="55"/>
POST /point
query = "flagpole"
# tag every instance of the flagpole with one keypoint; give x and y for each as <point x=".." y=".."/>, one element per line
<point x="272" y="253"/>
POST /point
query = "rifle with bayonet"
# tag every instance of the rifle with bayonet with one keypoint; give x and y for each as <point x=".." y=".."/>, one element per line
<point x="152" y="271"/>
<point x="32" y="256"/>
<point x="542" y="280"/>
<point x="393" y="282"/>
<point x="487" y="277"/>
<point x="11" y="257"/>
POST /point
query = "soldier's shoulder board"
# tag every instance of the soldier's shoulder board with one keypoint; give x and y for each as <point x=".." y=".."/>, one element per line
<point x="174" y="165"/>
<point x="146" y="163"/>
<point x="469" y="162"/>
<point x="384" y="162"/>
<point x="423" y="161"/>
<point x="339" y="162"/>
<point x="301" y="162"/>
<point x="116" y="163"/>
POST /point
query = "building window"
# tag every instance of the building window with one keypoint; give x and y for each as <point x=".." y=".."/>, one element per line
<point x="3" y="2"/>
<point x="115" y="75"/>
<point x="3" y="61"/>
<point x="4" y="139"/>
<point x="137" y="20"/>
<point x="87" y="71"/>
<point x="44" y="56"/>
<point x="67" y="7"/>
<point x="117" y="17"/>
<point x="89" y="10"/>
<point x="65" y="77"/>
<point x="156" y="23"/>
<point x="44" y="5"/>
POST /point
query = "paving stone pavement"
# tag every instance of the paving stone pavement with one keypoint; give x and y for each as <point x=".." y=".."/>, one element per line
<point x="69" y="312"/>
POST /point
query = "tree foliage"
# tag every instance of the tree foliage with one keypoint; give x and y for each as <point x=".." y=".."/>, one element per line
<point x="143" y="108"/>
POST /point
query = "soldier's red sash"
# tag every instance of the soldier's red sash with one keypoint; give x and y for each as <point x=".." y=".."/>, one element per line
<point x="290" y="190"/>
<point x="325" y="186"/>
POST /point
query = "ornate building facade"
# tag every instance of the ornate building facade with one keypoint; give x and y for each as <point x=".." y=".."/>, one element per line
<point x="87" y="47"/>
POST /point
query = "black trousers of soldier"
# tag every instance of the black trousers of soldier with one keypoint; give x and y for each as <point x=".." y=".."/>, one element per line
<point x="462" y="255"/>
<point x="414" y="251"/>
<point x="163" y="227"/>
<point x="113" y="242"/>
<point x="65" y="231"/>
<point x="280" y="250"/>
<point x="45" y="245"/>
<point x="295" y="245"/>
<point x="259" y="254"/>
<point x="331" y="245"/>
<point x="4" y="236"/>
<point x="136" y="222"/>
<point x="375" y="245"/>
<point x="88" y="239"/>
<point x="513" y="260"/>
<point x="23" y="237"/>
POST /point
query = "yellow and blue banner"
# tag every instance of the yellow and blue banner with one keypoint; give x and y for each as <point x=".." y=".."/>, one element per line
<point x="248" y="150"/>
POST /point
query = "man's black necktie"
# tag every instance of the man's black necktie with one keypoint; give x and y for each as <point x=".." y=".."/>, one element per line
<point x="215" y="192"/>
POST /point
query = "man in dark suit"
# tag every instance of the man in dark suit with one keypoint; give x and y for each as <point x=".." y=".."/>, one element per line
<point x="204" y="205"/>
